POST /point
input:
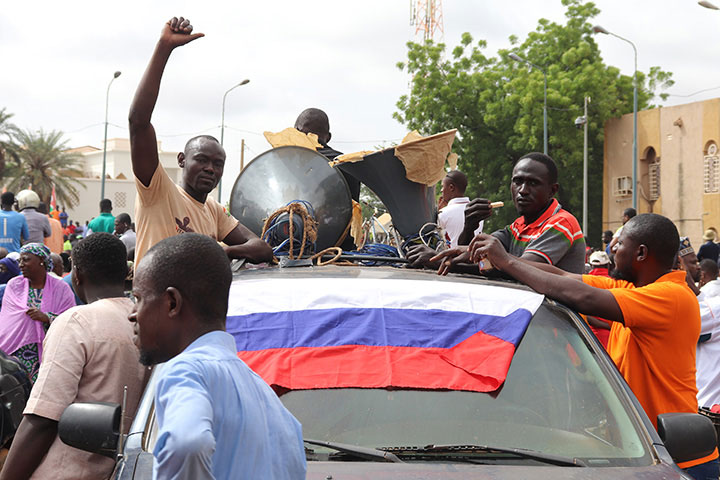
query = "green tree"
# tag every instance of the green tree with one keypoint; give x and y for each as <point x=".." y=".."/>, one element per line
<point x="497" y="106"/>
<point x="44" y="162"/>
<point x="8" y="147"/>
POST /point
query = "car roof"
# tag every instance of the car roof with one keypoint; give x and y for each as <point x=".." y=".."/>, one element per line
<point x="371" y="272"/>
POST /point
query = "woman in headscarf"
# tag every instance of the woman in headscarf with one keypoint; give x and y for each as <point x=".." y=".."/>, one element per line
<point x="8" y="269"/>
<point x="31" y="303"/>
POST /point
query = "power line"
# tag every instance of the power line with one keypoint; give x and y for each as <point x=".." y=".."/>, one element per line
<point x="690" y="95"/>
<point x="191" y="134"/>
<point x="85" y="128"/>
<point x="368" y="141"/>
<point x="259" y="134"/>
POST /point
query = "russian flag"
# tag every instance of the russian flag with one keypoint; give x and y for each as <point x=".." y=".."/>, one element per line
<point x="378" y="333"/>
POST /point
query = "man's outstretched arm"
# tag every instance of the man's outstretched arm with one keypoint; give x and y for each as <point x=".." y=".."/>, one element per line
<point x="242" y="243"/>
<point x="143" y="142"/>
<point x="568" y="289"/>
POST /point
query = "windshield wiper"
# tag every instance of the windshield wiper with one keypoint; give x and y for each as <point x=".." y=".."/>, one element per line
<point x="464" y="449"/>
<point x="360" y="452"/>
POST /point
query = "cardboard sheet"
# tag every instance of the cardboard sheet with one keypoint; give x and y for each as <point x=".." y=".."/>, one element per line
<point x="356" y="222"/>
<point x="292" y="137"/>
<point x="350" y="157"/>
<point x="424" y="158"/>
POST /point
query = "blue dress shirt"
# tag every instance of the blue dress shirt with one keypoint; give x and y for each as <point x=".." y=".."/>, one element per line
<point x="218" y="419"/>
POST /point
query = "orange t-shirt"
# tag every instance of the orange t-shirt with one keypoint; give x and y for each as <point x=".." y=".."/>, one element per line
<point x="163" y="209"/>
<point x="56" y="240"/>
<point x="655" y="349"/>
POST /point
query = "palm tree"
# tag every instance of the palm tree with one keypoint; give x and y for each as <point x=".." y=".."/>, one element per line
<point x="8" y="148"/>
<point x="44" y="162"/>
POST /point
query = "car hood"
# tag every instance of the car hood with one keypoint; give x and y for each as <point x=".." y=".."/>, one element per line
<point x="438" y="471"/>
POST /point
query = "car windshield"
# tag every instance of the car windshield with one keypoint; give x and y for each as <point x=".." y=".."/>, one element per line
<point x="556" y="399"/>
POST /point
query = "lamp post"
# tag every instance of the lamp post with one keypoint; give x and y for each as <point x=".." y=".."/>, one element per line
<point x="583" y="122"/>
<point x="518" y="58"/>
<point x="107" y="100"/>
<point x="599" y="29"/>
<point x="222" y="128"/>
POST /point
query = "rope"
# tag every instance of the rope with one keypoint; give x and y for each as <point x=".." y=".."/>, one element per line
<point x="338" y="251"/>
<point x="344" y="234"/>
<point x="309" y="227"/>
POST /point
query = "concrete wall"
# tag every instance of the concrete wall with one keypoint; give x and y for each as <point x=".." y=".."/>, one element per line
<point x="679" y="136"/>
<point x="121" y="192"/>
<point x="711" y="134"/>
<point x="618" y="163"/>
<point x="118" y="163"/>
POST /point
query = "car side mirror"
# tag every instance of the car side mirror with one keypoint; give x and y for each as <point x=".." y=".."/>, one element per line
<point x="93" y="427"/>
<point x="687" y="436"/>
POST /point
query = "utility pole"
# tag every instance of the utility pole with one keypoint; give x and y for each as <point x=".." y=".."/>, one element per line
<point x="242" y="154"/>
<point x="585" y="168"/>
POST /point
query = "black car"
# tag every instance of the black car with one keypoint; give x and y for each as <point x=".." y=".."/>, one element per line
<point x="564" y="411"/>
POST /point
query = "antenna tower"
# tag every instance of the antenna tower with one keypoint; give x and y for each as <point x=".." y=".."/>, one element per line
<point x="427" y="17"/>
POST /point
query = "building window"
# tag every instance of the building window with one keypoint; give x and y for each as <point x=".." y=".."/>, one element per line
<point x="649" y="184"/>
<point x="622" y="186"/>
<point x="654" y="181"/>
<point x="120" y="200"/>
<point x="711" y="174"/>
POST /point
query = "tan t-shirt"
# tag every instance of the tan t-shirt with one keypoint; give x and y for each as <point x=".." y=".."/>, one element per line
<point x="164" y="209"/>
<point x="88" y="356"/>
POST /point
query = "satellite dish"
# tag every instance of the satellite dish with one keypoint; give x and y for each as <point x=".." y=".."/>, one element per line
<point x="286" y="174"/>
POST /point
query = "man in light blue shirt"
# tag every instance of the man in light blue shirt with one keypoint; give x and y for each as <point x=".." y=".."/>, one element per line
<point x="13" y="225"/>
<point x="216" y="418"/>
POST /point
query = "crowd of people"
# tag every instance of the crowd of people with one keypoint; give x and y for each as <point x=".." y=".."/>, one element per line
<point x="644" y="296"/>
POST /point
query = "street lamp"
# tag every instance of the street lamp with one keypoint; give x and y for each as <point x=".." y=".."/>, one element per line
<point x="107" y="99"/>
<point x="222" y="128"/>
<point x="583" y="122"/>
<point x="599" y="29"/>
<point x="709" y="5"/>
<point x="518" y="58"/>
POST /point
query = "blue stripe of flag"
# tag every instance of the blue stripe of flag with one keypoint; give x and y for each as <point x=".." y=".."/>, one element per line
<point x="370" y="326"/>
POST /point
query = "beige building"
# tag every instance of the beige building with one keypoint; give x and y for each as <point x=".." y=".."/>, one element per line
<point x="678" y="171"/>
<point x="119" y="180"/>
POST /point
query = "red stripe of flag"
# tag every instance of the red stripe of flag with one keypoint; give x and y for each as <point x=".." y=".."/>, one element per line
<point x="362" y="366"/>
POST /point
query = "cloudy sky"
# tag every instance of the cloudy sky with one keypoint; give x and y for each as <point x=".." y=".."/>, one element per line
<point x="338" y="55"/>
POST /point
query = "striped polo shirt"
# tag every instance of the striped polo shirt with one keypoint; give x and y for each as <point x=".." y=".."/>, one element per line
<point x="555" y="236"/>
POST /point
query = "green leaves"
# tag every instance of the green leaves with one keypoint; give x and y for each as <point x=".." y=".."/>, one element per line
<point x="497" y="106"/>
<point x="43" y="161"/>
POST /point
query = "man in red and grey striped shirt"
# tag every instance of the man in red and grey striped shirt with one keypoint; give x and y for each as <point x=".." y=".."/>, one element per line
<point x="543" y="232"/>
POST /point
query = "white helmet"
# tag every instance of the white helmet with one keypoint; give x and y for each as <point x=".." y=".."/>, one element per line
<point x="27" y="198"/>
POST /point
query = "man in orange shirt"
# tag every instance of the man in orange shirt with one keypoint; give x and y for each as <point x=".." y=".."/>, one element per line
<point x="651" y="306"/>
<point x="56" y="239"/>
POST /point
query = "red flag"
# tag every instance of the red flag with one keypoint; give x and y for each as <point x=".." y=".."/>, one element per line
<point x="53" y="201"/>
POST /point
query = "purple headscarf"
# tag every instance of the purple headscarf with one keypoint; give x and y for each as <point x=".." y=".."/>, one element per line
<point x="12" y="270"/>
<point x="16" y="328"/>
